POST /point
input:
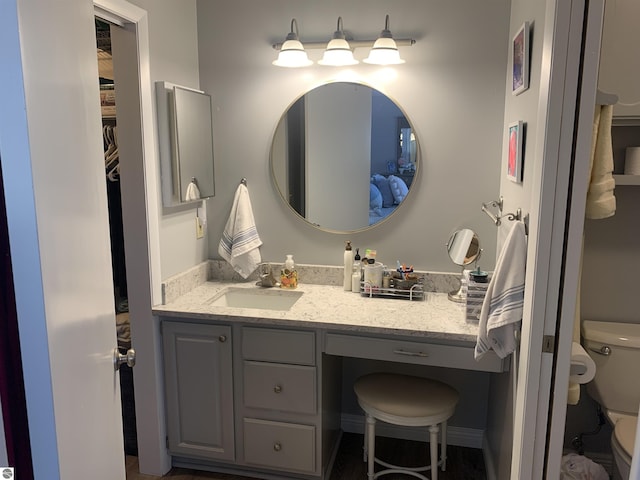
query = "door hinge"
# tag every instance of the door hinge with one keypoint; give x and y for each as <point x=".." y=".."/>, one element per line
<point x="166" y="441"/>
<point x="548" y="344"/>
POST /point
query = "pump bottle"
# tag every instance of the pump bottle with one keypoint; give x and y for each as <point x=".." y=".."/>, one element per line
<point x="348" y="266"/>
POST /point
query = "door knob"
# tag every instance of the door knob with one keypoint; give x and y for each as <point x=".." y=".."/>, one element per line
<point x="120" y="359"/>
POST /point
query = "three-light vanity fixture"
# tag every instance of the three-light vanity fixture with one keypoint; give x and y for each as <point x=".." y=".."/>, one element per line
<point x="339" y="51"/>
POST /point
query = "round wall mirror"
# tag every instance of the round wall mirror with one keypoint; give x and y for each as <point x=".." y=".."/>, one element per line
<point x="464" y="249"/>
<point x="344" y="157"/>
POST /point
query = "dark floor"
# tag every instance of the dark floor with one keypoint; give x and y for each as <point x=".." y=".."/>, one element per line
<point x="462" y="464"/>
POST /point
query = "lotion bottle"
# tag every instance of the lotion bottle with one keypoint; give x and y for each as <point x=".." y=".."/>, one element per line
<point x="348" y="266"/>
<point x="289" y="275"/>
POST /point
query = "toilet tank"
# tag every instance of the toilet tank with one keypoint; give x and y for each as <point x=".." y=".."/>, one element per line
<point x="615" y="349"/>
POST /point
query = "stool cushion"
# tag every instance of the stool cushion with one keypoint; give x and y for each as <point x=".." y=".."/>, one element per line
<point x="404" y="395"/>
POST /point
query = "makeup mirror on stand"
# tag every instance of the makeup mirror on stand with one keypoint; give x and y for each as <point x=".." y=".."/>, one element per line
<point x="464" y="249"/>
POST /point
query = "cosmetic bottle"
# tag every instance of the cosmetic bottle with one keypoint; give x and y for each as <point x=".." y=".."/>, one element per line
<point x="288" y="274"/>
<point x="356" y="272"/>
<point x="348" y="266"/>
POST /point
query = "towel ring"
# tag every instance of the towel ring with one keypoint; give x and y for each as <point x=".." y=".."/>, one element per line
<point x="243" y="181"/>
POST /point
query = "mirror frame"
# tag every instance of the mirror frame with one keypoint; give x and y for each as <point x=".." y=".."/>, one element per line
<point x="414" y="184"/>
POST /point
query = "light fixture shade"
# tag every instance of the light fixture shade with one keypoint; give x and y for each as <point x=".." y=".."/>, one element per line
<point x="338" y="54"/>
<point x="292" y="54"/>
<point x="384" y="50"/>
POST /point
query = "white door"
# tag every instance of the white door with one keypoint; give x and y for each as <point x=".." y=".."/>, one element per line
<point x="51" y="147"/>
<point x="551" y="269"/>
<point x="574" y="234"/>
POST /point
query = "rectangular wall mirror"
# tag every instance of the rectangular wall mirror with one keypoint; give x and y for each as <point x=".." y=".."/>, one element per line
<point x="186" y="142"/>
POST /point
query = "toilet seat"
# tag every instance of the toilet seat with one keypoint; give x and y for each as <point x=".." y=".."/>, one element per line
<point x="625" y="434"/>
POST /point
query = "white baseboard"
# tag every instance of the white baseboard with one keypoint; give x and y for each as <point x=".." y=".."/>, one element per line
<point x="458" y="436"/>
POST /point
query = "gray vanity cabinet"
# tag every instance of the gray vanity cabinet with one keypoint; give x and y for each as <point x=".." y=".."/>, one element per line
<point x="265" y="403"/>
<point x="199" y="390"/>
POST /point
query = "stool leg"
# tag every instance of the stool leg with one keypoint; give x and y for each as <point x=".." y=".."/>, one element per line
<point x="365" y="444"/>
<point x="433" y="444"/>
<point x="443" y="447"/>
<point x="371" y="446"/>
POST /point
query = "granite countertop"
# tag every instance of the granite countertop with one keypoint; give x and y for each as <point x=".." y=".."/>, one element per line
<point x="330" y="307"/>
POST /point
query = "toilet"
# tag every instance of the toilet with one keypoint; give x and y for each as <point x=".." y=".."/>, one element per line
<point x="615" y="349"/>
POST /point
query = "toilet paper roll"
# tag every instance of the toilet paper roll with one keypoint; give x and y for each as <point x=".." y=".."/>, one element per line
<point x="632" y="161"/>
<point x="583" y="368"/>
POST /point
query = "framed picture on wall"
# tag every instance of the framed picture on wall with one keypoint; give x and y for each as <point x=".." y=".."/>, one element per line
<point x="520" y="72"/>
<point x="514" y="159"/>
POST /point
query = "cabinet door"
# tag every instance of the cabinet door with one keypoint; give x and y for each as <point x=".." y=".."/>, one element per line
<point x="199" y="390"/>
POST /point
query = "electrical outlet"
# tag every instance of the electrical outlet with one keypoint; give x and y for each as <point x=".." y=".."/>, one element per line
<point x="199" y="228"/>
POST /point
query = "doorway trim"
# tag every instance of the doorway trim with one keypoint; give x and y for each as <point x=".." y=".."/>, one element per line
<point x="142" y="240"/>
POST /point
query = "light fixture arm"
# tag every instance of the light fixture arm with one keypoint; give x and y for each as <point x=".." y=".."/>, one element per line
<point x="339" y="33"/>
<point x="386" y="33"/>
<point x="293" y="35"/>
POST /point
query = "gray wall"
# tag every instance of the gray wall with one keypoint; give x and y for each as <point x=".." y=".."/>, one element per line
<point x="452" y="89"/>
<point x="609" y="286"/>
<point x="173" y="48"/>
<point x="611" y="258"/>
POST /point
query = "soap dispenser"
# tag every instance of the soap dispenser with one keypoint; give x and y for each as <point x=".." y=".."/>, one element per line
<point x="356" y="272"/>
<point x="288" y="274"/>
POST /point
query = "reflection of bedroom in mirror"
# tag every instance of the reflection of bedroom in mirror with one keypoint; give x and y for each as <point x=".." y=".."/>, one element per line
<point x="344" y="157"/>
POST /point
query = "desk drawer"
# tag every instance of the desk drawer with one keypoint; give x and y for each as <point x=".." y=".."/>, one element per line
<point x="285" y="446"/>
<point x="421" y="353"/>
<point x="288" y="388"/>
<point x="279" y="346"/>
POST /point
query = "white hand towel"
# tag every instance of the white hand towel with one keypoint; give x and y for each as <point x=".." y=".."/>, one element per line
<point x="501" y="312"/>
<point x="240" y="240"/>
<point x="193" y="192"/>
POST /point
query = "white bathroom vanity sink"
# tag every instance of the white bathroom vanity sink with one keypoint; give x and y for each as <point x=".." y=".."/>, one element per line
<point x="263" y="299"/>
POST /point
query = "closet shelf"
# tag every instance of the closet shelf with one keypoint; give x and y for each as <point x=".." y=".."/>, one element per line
<point x="627" y="180"/>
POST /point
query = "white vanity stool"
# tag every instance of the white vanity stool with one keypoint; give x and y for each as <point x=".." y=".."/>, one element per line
<point x="408" y="401"/>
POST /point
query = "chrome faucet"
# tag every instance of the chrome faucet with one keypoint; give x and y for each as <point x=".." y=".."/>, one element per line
<point x="266" y="276"/>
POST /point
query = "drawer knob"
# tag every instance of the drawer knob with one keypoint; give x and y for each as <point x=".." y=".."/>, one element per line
<point x="277" y="447"/>
<point x="222" y="338"/>
<point x="277" y="389"/>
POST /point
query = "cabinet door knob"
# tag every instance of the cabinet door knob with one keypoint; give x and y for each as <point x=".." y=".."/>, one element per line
<point x="222" y="338"/>
<point x="277" y="446"/>
<point x="277" y="389"/>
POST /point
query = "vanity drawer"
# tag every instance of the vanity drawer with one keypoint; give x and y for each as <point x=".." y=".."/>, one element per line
<point x="279" y="346"/>
<point x="421" y="353"/>
<point x="285" y="446"/>
<point x="288" y="388"/>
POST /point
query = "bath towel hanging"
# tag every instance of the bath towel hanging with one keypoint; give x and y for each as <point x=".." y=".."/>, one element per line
<point x="240" y="241"/>
<point x="601" y="202"/>
<point x="503" y="304"/>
